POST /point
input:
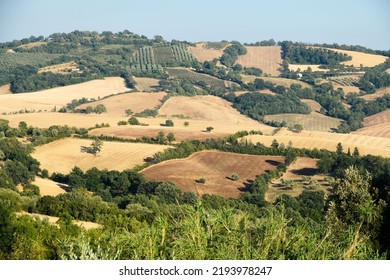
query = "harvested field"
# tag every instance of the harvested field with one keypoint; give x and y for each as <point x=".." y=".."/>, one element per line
<point x="5" y="90"/>
<point x="45" y="120"/>
<point x="216" y="167"/>
<point x="378" y="130"/>
<point x="63" y="68"/>
<point x="181" y="133"/>
<point x="136" y="101"/>
<point x="203" y="54"/>
<point x="379" y="118"/>
<point x="301" y="175"/>
<point x="379" y="93"/>
<point x="62" y="155"/>
<point x="326" y="140"/>
<point x="49" y="187"/>
<point x="31" y="45"/>
<point x="268" y="59"/>
<point x="53" y="220"/>
<point x="60" y="96"/>
<point x="277" y="81"/>
<point x="314" y="105"/>
<point x="146" y="84"/>
<point x="359" y="58"/>
<point x="312" y="122"/>
<point x="303" y="67"/>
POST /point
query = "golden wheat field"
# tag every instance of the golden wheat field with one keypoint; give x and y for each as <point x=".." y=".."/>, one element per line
<point x="49" y="187"/>
<point x="136" y="101"/>
<point x="378" y="130"/>
<point x="313" y="121"/>
<point x="202" y="54"/>
<point x="379" y="118"/>
<point x="5" y="89"/>
<point x="216" y="167"/>
<point x="146" y="84"/>
<point x="326" y="140"/>
<point x="314" y="105"/>
<point x="359" y="58"/>
<point x="268" y="59"/>
<point x="60" y="96"/>
<point x="62" y="155"/>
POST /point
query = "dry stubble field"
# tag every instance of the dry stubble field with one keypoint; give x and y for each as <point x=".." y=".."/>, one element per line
<point x="60" y="96"/>
<point x="359" y="58"/>
<point x="216" y="167"/>
<point x="62" y="155"/>
<point x="202" y="54"/>
<point x="268" y="59"/>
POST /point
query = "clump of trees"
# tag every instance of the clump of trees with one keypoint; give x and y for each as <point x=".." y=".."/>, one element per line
<point x="231" y="53"/>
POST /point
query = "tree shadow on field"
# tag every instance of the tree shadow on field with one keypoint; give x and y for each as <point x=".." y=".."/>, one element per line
<point x="306" y="171"/>
<point x="87" y="150"/>
<point x="272" y="162"/>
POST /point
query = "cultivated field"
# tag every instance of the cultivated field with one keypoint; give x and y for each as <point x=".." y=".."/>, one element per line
<point x="303" y="67"/>
<point x="146" y="84"/>
<point x="63" y="68"/>
<point x="60" y="96"/>
<point x="268" y="59"/>
<point x="314" y="105"/>
<point x="312" y="122"/>
<point x="49" y="187"/>
<point x="185" y="73"/>
<point x="136" y="101"/>
<point x="379" y="93"/>
<point x="5" y="90"/>
<point x="377" y="125"/>
<point x="359" y="58"/>
<point x="62" y="155"/>
<point x="216" y="167"/>
<point x="379" y="118"/>
<point x="326" y="140"/>
<point x="297" y="179"/>
<point x="277" y="81"/>
<point x="203" y="54"/>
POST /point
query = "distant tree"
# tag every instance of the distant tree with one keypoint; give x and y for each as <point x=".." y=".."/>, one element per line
<point x="133" y="121"/>
<point x="235" y="176"/>
<point x="122" y="123"/>
<point x="339" y="149"/>
<point x="201" y="180"/>
<point x="167" y="192"/>
<point x="100" y="109"/>
<point x="186" y="124"/>
<point x="275" y="144"/>
<point x="171" y="137"/>
<point x="169" y="123"/>
<point x="209" y="129"/>
<point x="161" y="137"/>
<point x="298" y="128"/>
<point x="356" y="152"/>
<point x="22" y="126"/>
<point x="96" y="146"/>
<point x="45" y="173"/>
<point x="129" y="112"/>
<point x="89" y="110"/>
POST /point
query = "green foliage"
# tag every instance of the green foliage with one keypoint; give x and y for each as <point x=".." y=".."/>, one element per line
<point x="196" y="78"/>
<point x="231" y="53"/>
<point x="122" y="123"/>
<point x="96" y="146"/>
<point x="133" y="121"/>
<point x="170" y="137"/>
<point x="147" y="113"/>
<point x="186" y="124"/>
<point x="201" y="180"/>
<point x="235" y="176"/>
<point x="169" y="123"/>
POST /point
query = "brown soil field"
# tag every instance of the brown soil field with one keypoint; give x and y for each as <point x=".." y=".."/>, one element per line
<point x="62" y="155"/>
<point x="303" y="67"/>
<point x="202" y="54"/>
<point x="146" y="84"/>
<point x="63" y="68"/>
<point x="312" y="122"/>
<point x="60" y="96"/>
<point x="379" y="93"/>
<point x="277" y="81"/>
<point x="296" y="174"/>
<point x="358" y="58"/>
<point x="53" y="220"/>
<point x="216" y="167"/>
<point x="5" y="90"/>
<point x="326" y="140"/>
<point x="314" y="105"/>
<point x="136" y="101"/>
<point x="268" y="59"/>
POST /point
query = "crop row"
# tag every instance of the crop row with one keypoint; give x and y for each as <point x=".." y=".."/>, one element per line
<point x="11" y="60"/>
<point x="181" y="53"/>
